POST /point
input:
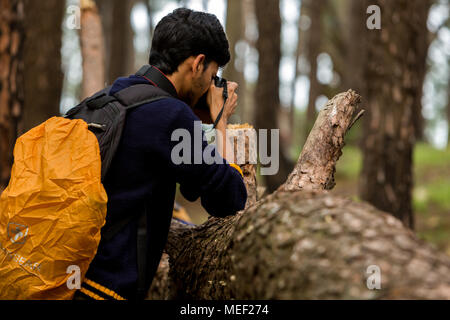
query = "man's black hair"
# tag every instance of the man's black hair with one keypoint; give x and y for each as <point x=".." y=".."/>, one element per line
<point x="185" y="33"/>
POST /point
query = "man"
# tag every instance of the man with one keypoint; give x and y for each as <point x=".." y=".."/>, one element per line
<point x="188" y="48"/>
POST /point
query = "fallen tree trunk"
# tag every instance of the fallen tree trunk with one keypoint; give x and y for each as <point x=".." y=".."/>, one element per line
<point x="302" y="242"/>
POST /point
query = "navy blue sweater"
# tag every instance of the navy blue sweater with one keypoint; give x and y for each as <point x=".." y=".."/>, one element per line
<point x="142" y="178"/>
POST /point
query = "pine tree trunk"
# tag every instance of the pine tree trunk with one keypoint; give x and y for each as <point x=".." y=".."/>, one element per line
<point x="422" y="43"/>
<point x="105" y="9"/>
<point x="92" y="49"/>
<point x="267" y="98"/>
<point x="314" y="9"/>
<point x="11" y="79"/>
<point x="235" y="32"/>
<point x="44" y="77"/>
<point x="249" y="16"/>
<point x="121" y="48"/>
<point x="355" y="57"/>
<point x="394" y="88"/>
<point x="118" y="38"/>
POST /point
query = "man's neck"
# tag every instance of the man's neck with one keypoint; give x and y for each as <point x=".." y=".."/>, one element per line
<point x="177" y="82"/>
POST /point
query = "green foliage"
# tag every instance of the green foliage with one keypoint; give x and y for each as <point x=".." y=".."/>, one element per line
<point x="437" y="236"/>
<point x="432" y="183"/>
<point x="350" y="163"/>
<point x="435" y="193"/>
<point x="425" y="156"/>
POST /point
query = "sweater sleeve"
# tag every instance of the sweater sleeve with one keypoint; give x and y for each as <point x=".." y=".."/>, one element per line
<point x="199" y="168"/>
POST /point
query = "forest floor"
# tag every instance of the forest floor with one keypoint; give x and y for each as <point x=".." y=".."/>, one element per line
<point x="431" y="194"/>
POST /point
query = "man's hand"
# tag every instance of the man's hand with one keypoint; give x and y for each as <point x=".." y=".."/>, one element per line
<point x="215" y="101"/>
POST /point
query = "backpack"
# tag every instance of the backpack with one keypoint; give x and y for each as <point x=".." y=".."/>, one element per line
<point x="54" y="208"/>
<point x="52" y="211"/>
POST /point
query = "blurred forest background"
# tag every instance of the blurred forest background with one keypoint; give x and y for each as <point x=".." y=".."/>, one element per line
<point x="289" y="57"/>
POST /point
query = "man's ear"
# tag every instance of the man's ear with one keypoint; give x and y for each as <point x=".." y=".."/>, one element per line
<point x="198" y="64"/>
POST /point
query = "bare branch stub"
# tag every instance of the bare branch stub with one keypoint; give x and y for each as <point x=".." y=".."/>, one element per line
<point x="317" y="162"/>
<point x="243" y="138"/>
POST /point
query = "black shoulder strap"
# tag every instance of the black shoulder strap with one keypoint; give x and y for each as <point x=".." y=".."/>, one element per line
<point x="100" y="102"/>
<point x="158" y="79"/>
<point x="140" y="94"/>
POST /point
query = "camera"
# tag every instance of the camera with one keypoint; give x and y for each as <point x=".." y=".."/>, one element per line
<point x="220" y="82"/>
<point x="201" y="109"/>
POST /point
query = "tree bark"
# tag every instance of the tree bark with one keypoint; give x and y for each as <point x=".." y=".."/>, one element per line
<point x="11" y="79"/>
<point x="121" y="48"/>
<point x="92" y="49"/>
<point x="118" y="37"/>
<point x="422" y="42"/>
<point x="356" y="50"/>
<point x="317" y="163"/>
<point x="305" y="243"/>
<point x="105" y="10"/>
<point x="395" y="79"/>
<point x="243" y="138"/>
<point x="44" y="81"/>
<point x="267" y="91"/>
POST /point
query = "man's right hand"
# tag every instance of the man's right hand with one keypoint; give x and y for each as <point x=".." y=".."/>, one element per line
<point x="215" y="101"/>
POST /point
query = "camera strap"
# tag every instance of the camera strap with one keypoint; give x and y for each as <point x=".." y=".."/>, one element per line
<point x="225" y="97"/>
<point x="158" y="79"/>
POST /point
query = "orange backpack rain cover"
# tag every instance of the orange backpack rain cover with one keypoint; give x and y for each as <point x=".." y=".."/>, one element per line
<point x="52" y="211"/>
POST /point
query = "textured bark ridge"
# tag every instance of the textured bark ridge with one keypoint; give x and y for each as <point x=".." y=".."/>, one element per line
<point x="304" y="245"/>
<point x="303" y="242"/>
